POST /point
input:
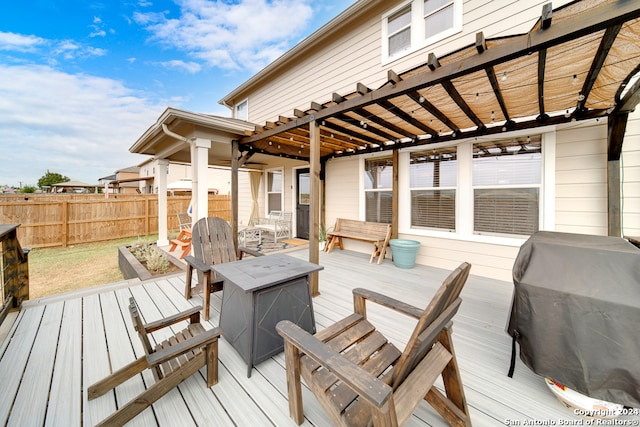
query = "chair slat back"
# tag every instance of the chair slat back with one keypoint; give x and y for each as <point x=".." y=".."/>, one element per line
<point x="212" y="241"/>
<point x="139" y="326"/>
<point x="441" y="309"/>
<point x="184" y="221"/>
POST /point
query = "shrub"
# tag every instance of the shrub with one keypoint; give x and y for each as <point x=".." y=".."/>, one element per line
<point x="149" y="254"/>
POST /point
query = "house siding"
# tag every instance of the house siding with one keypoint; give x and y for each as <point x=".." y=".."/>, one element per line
<point x="352" y="55"/>
<point x="580" y="189"/>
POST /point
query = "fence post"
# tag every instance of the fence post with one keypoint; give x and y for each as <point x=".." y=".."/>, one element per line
<point x="147" y="226"/>
<point x="65" y="224"/>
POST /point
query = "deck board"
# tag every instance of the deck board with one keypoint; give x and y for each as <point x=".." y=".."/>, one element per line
<point x="96" y="336"/>
<point x="65" y="404"/>
<point x="30" y="405"/>
<point x="15" y="357"/>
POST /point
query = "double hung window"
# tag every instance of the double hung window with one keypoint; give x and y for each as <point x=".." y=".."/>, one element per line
<point x="433" y="179"/>
<point x="242" y="110"/>
<point x="507" y="179"/>
<point x="417" y="24"/>
<point x="378" y="190"/>
<point x="274" y="191"/>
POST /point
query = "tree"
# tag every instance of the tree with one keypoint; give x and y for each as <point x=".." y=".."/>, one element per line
<point x="51" y="178"/>
<point x="28" y="189"/>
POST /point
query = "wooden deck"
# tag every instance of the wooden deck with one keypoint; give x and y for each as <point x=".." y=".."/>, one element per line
<point x="59" y="346"/>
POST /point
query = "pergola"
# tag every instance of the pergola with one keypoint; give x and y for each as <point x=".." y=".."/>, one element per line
<point x="578" y="62"/>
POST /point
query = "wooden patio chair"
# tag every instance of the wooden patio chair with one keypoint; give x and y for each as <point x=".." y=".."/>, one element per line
<point x="184" y="237"/>
<point x="172" y="361"/>
<point x="184" y="221"/>
<point x="361" y="379"/>
<point x="213" y="244"/>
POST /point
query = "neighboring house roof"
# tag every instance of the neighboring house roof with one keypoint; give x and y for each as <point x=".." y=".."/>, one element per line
<point x="576" y="63"/>
<point x="130" y="169"/>
<point x="74" y="184"/>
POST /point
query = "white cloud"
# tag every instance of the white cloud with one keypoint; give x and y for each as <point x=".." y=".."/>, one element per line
<point x="244" y="35"/>
<point x="19" y="42"/>
<point x="77" y="125"/>
<point x="189" y="67"/>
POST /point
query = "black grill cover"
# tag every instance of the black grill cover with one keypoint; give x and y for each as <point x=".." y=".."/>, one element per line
<point x="576" y="311"/>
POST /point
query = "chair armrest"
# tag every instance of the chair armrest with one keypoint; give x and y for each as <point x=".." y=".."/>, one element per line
<point x="173" y="351"/>
<point x="394" y="304"/>
<point x="248" y="251"/>
<point x="362" y="382"/>
<point x="196" y="263"/>
<point x="168" y="321"/>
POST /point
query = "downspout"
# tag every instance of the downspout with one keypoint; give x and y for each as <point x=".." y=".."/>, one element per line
<point x="194" y="176"/>
<point x="167" y="132"/>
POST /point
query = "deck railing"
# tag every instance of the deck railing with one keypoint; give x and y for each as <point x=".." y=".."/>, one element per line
<point x="14" y="269"/>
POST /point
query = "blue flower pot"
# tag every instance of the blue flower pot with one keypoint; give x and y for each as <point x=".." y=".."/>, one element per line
<point x="404" y="252"/>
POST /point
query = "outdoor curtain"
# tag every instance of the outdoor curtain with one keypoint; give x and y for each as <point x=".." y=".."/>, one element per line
<point x="254" y="179"/>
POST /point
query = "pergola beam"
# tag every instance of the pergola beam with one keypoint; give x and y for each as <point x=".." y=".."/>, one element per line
<point x="596" y="65"/>
<point x="590" y="21"/>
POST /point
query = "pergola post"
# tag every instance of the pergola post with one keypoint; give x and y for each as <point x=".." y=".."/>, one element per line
<point x="314" y="212"/>
<point x="395" y="203"/>
<point x="617" y="125"/>
<point x="235" y="163"/>
<point x="163" y="164"/>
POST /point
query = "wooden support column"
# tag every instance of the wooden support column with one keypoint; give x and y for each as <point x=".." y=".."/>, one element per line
<point x="395" y="195"/>
<point x="163" y="164"/>
<point x="235" y="163"/>
<point x="617" y="125"/>
<point x="314" y="212"/>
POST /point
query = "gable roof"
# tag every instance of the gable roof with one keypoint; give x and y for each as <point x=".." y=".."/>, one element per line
<point x="574" y="64"/>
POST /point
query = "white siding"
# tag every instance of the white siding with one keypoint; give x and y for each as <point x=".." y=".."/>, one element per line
<point x="580" y="199"/>
<point x="581" y="178"/>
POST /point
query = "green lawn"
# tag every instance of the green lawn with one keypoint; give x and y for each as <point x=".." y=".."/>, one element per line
<point x="57" y="270"/>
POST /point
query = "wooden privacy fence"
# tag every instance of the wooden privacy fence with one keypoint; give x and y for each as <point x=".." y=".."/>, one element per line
<point x="55" y="220"/>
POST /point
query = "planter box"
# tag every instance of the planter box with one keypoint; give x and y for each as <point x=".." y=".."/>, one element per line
<point x="131" y="268"/>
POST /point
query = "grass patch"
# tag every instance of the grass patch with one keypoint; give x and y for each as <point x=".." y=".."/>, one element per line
<point x="57" y="270"/>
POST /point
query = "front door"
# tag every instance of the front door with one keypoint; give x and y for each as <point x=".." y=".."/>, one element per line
<point x="303" y="198"/>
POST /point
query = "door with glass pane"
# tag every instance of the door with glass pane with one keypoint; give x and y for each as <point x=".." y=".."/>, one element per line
<point x="303" y="199"/>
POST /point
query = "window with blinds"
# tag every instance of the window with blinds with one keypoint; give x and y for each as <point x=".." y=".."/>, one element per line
<point x="274" y="191"/>
<point x="378" y="190"/>
<point x="433" y="180"/>
<point x="506" y="186"/>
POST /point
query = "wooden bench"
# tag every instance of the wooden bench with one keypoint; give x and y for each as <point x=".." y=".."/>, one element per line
<point x="374" y="232"/>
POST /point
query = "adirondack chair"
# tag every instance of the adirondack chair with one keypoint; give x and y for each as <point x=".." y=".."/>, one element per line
<point x="213" y="243"/>
<point x="172" y="361"/>
<point x="361" y="379"/>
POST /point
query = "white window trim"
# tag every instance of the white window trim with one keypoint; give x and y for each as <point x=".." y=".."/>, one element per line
<point x="464" y="192"/>
<point x="235" y="109"/>
<point x="418" y="40"/>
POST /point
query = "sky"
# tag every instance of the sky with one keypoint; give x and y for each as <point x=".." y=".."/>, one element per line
<point x="81" y="80"/>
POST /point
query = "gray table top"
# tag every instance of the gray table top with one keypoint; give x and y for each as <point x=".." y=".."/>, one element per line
<point x="254" y="274"/>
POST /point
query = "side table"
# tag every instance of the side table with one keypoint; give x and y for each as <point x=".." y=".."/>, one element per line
<point x="258" y="293"/>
